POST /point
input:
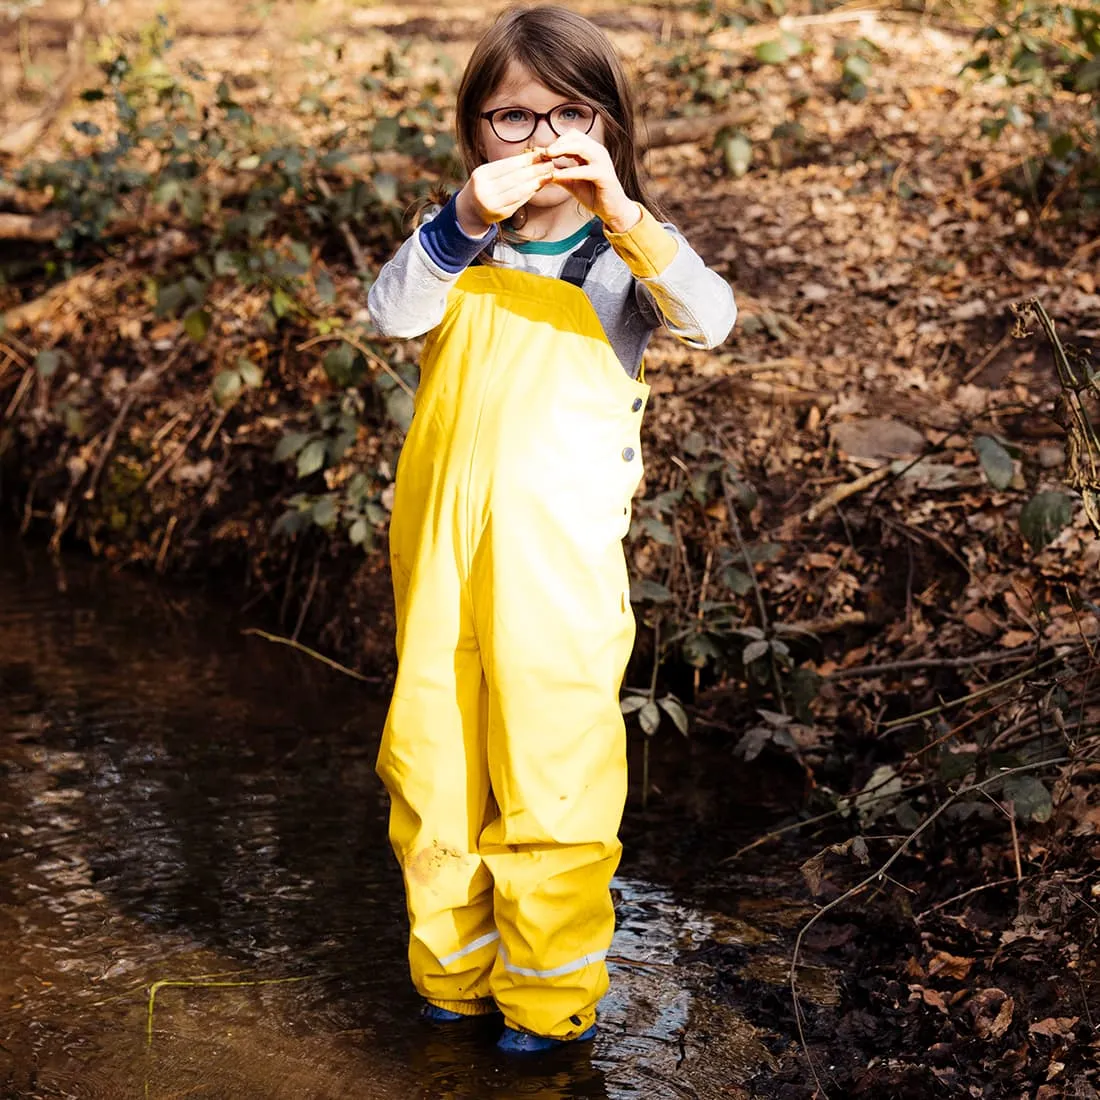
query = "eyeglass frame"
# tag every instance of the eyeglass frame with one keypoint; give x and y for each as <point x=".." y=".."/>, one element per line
<point x="539" y="116"/>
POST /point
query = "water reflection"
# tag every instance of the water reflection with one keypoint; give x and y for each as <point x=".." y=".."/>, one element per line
<point x="177" y="801"/>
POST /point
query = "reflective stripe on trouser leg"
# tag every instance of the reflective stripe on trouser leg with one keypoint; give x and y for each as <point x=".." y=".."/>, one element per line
<point x="432" y="761"/>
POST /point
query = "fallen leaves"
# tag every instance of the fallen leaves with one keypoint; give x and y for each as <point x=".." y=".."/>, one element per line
<point x="991" y="1011"/>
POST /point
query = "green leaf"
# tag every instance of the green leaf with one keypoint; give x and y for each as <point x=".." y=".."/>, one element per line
<point x="694" y="444"/>
<point x="197" y="324"/>
<point x="671" y="706"/>
<point x="385" y="134"/>
<point x="170" y="298"/>
<point x="1044" y="516"/>
<point x="399" y="408"/>
<point x="282" y="303"/>
<point x="290" y="523"/>
<point x="290" y="445"/>
<point x="358" y="532"/>
<point x="630" y="703"/>
<point x="324" y="512"/>
<point x="326" y="291"/>
<point x="699" y="649"/>
<point x="737" y="582"/>
<point x="876" y="798"/>
<point x="773" y="52"/>
<point x="737" y="153"/>
<point x="754" y="651"/>
<point x="857" y="68"/>
<point x="645" y="589"/>
<point x="385" y="187"/>
<point x="343" y="365"/>
<point x="957" y="765"/>
<point x="74" y="421"/>
<point x="996" y="461"/>
<point x="227" y="388"/>
<point x="311" y="458"/>
<point x="300" y="251"/>
<point x="1088" y="76"/>
<point x="764" y="552"/>
<point x="1030" y="797"/>
<point x="224" y="263"/>
<point x="649" y="718"/>
<point x="251" y="375"/>
<point x="658" y="531"/>
<point x="46" y="362"/>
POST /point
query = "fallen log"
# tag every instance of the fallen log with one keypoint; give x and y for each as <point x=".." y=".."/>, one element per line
<point x="31" y="227"/>
<point x="685" y="131"/>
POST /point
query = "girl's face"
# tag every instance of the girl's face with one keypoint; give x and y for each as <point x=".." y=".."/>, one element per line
<point x="520" y="88"/>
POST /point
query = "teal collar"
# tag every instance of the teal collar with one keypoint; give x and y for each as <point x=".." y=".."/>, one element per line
<point x="556" y="248"/>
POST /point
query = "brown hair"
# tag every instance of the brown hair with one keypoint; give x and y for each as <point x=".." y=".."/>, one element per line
<point x="570" y="56"/>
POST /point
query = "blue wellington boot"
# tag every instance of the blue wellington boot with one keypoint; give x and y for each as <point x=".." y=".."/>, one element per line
<point x="436" y="1015"/>
<point x="433" y="1014"/>
<point x="523" y="1042"/>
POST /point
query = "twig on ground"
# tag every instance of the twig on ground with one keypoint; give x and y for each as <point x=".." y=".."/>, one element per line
<point x="310" y="589"/>
<point x="20" y="392"/>
<point x="979" y="694"/>
<point x="775" y="834"/>
<point x="367" y="354"/>
<point x="314" y="654"/>
<point x="750" y="568"/>
<point x="354" y="247"/>
<point x="965" y="894"/>
<point x="988" y="358"/>
<point x="1020" y="653"/>
<point x="178" y="453"/>
<point x="841" y="493"/>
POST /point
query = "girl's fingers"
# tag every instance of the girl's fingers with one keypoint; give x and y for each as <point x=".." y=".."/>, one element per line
<point x="579" y="172"/>
<point x="521" y="177"/>
<point x="576" y="144"/>
<point x="498" y="169"/>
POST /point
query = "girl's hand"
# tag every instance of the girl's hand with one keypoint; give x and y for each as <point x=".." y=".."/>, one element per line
<point x="583" y="167"/>
<point x="496" y="190"/>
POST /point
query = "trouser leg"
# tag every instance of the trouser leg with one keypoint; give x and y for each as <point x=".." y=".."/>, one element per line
<point x="561" y="635"/>
<point x="433" y="762"/>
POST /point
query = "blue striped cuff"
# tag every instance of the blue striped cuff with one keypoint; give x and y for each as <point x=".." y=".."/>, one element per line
<point x="447" y="245"/>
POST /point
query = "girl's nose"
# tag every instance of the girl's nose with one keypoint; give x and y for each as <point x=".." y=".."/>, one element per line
<point x="544" y="133"/>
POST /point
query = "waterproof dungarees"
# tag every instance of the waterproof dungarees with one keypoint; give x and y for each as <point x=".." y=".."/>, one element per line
<point x="504" y="749"/>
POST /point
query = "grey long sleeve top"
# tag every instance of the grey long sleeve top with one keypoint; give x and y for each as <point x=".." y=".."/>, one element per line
<point x="649" y="277"/>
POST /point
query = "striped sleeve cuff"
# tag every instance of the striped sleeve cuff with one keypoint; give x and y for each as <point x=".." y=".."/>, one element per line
<point x="447" y="245"/>
<point x="647" y="248"/>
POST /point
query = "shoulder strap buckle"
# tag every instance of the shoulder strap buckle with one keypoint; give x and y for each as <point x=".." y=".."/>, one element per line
<point x="580" y="262"/>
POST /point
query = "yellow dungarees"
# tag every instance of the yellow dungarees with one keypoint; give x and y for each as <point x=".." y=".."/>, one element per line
<point x="504" y="749"/>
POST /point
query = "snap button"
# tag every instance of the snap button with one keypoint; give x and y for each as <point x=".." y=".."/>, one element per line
<point x="637" y="404"/>
<point x="628" y="454"/>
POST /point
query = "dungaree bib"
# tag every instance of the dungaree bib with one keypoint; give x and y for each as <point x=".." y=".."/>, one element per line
<point x="504" y="750"/>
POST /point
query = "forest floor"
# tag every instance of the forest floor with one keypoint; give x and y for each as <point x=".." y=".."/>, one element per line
<point x="871" y="390"/>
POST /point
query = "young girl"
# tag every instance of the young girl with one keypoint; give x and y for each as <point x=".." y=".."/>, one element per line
<point x="539" y="285"/>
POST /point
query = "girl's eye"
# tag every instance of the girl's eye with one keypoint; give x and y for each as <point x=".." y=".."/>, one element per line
<point x="515" y="114"/>
<point x="570" y="114"/>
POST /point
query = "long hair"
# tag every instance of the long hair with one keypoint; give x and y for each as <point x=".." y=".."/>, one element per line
<point x="570" y="56"/>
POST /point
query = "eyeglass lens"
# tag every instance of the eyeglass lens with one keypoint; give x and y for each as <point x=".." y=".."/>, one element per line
<point x="519" y="123"/>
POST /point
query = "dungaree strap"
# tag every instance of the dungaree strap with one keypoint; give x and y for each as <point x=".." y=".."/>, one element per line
<point x="580" y="262"/>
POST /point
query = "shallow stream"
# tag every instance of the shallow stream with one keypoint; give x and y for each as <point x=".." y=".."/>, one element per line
<point x="197" y="898"/>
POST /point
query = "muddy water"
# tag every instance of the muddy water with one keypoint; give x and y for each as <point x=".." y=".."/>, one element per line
<point x="197" y="898"/>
